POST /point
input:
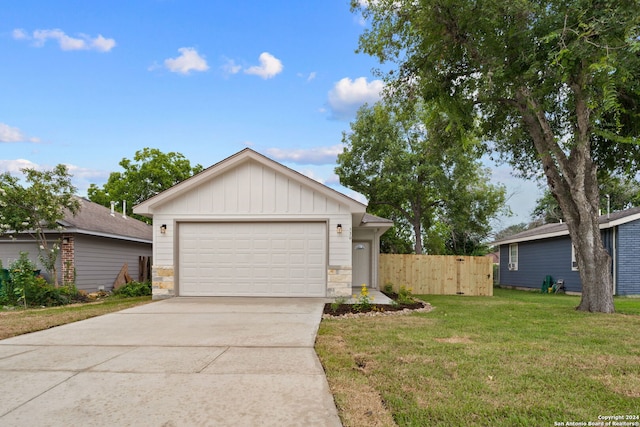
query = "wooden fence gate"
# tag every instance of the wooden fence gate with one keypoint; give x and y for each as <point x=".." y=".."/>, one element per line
<point x="438" y="274"/>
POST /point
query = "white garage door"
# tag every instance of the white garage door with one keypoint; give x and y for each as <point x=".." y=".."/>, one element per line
<point x="252" y="259"/>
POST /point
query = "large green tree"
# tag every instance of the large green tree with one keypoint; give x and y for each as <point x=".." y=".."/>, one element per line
<point x="404" y="162"/>
<point x="553" y="83"/>
<point x="616" y="194"/>
<point x="150" y="172"/>
<point x="36" y="208"/>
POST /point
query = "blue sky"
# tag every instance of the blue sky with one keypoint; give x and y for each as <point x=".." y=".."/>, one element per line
<point x="88" y="83"/>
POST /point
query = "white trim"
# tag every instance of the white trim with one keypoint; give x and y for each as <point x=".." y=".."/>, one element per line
<point x="84" y="232"/>
<point x="574" y="260"/>
<point x="513" y="264"/>
<point x="535" y="237"/>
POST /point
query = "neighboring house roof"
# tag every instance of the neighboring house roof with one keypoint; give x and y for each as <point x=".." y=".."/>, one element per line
<point x="560" y="229"/>
<point x="96" y="220"/>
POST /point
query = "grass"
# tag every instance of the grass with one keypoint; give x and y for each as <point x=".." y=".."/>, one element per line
<point x="18" y="322"/>
<point x="514" y="359"/>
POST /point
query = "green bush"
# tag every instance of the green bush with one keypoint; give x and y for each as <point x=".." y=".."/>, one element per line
<point x="133" y="289"/>
<point x="26" y="288"/>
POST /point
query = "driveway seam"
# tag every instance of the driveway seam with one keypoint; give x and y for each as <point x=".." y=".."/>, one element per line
<point x="212" y="361"/>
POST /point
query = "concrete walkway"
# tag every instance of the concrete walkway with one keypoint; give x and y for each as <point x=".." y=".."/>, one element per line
<point x="178" y="362"/>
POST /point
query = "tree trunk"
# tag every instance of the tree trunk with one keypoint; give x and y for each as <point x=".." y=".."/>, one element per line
<point x="573" y="182"/>
<point x="417" y="231"/>
<point x="594" y="264"/>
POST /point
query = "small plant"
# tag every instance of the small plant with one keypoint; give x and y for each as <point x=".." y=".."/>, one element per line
<point x="388" y="288"/>
<point x="335" y="305"/>
<point x="22" y="274"/>
<point x="133" y="289"/>
<point x="364" y="301"/>
<point x="405" y="295"/>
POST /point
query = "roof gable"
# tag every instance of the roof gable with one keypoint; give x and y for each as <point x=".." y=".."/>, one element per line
<point x="248" y="182"/>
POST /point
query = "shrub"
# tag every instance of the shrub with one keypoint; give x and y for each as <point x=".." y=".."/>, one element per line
<point x="388" y="288"/>
<point x="133" y="289"/>
<point x="405" y="295"/>
<point x="26" y="288"/>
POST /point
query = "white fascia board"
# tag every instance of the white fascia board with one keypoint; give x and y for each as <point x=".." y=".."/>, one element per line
<point x="108" y="235"/>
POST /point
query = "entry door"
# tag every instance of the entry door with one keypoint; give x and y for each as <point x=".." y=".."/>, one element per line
<point x="361" y="258"/>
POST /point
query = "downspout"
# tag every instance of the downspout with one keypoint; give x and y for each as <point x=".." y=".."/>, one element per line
<point x="375" y="254"/>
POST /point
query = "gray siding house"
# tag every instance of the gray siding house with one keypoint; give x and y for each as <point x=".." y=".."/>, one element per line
<point x="96" y="243"/>
<point x="528" y="257"/>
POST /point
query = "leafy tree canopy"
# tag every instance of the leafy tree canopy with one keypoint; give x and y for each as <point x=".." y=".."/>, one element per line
<point x="150" y="172"/>
<point x="552" y="84"/>
<point x="37" y="207"/>
<point x="616" y="194"/>
<point x="415" y="168"/>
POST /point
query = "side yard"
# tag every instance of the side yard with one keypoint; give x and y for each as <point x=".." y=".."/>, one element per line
<point x="18" y="322"/>
<point x="517" y="358"/>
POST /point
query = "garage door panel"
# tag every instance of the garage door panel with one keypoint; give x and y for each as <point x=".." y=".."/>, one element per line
<point x="253" y="259"/>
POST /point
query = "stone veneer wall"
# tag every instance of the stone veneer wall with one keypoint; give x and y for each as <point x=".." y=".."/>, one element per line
<point x="163" y="280"/>
<point x="339" y="281"/>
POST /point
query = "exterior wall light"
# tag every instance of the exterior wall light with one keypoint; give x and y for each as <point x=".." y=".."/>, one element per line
<point x="339" y="229"/>
<point x="163" y="228"/>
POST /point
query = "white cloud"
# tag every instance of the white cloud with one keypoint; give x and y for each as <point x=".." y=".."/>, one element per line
<point x="15" y="166"/>
<point x="308" y="77"/>
<point x="189" y="60"/>
<point x="19" y="34"/>
<point x="348" y="95"/>
<point x="11" y="134"/>
<point x="230" y="67"/>
<point x="82" y="42"/>
<point x="311" y="174"/>
<point x="102" y="44"/>
<point x="81" y="178"/>
<point x="269" y="67"/>
<point x="310" y="156"/>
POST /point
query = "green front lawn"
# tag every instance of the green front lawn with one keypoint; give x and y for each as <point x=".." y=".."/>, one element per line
<point x="514" y="359"/>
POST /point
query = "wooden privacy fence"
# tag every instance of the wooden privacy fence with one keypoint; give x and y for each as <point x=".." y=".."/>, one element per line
<point x="438" y="274"/>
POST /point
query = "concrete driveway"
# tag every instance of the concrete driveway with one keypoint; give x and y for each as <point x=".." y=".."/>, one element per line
<point x="178" y="362"/>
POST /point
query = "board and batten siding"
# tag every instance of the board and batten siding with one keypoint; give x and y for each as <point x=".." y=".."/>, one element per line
<point x="252" y="192"/>
<point x="628" y="259"/>
<point x="98" y="260"/>
<point x="538" y="259"/>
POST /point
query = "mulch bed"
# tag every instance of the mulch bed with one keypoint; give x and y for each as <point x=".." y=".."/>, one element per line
<point x="351" y="310"/>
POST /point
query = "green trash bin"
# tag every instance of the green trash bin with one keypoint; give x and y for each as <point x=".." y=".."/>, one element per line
<point x="546" y="284"/>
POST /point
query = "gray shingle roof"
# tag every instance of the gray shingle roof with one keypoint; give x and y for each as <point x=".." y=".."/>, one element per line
<point x="96" y="219"/>
<point x="560" y="229"/>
